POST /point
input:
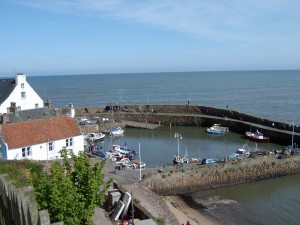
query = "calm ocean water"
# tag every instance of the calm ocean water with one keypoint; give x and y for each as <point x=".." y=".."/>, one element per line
<point x="269" y="94"/>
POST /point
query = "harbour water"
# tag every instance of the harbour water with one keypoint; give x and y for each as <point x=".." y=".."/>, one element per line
<point x="269" y="94"/>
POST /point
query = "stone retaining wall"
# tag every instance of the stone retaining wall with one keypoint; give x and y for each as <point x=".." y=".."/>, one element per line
<point x="18" y="206"/>
<point x="189" y="180"/>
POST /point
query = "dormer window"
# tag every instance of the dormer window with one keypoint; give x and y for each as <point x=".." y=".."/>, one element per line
<point x="22" y="85"/>
<point x="23" y="94"/>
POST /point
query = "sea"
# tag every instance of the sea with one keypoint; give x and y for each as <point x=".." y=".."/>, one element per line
<point x="269" y="94"/>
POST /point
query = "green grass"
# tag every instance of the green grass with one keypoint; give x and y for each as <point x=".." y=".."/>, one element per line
<point x="18" y="171"/>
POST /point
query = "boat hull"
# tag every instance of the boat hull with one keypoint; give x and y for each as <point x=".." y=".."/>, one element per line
<point x="252" y="137"/>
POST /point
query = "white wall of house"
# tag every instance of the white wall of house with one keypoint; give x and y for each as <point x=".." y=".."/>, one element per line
<point x="42" y="152"/>
<point x="23" y="95"/>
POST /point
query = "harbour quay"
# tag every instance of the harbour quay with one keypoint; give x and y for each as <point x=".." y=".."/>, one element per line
<point x="149" y="116"/>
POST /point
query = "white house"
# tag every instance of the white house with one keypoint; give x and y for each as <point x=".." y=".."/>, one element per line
<point x="16" y="92"/>
<point x="40" y="139"/>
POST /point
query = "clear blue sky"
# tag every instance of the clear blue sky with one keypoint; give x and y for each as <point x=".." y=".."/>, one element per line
<point x="48" y="37"/>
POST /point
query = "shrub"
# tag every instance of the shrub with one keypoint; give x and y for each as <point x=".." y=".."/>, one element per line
<point x="72" y="190"/>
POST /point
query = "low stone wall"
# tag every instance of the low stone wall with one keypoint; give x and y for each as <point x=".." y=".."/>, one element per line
<point x="18" y="206"/>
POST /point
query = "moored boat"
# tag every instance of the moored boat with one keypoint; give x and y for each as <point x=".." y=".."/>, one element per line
<point x="214" y="130"/>
<point x="116" y="131"/>
<point x="94" y="136"/>
<point x="177" y="158"/>
<point x="257" y="136"/>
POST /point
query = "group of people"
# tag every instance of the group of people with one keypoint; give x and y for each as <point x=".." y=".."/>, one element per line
<point x="187" y="223"/>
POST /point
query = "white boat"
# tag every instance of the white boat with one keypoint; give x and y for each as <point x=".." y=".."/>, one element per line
<point x="116" y="131"/>
<point x="137" y="164"/>
<point x="94" y="136"/>
<point x="177" y="159"/>
<point x="214" y="130"/>
<point x="122" y="150"/>
<point x="243" y="151"/>
<point x="185" y="158"/>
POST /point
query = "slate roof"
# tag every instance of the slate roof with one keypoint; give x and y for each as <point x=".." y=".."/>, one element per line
<point x="31" y="114"/>
<point x="6" y="88"/>
<point x="34" y="132"/>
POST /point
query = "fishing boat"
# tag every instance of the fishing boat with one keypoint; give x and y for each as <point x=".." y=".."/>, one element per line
<point x="257" y="136"/>
<point x="177" y="158"/>
<point x="214" y="130"/>
<point x="115" y="131"/>
<point x="94" y="136"/>
<point x="185" y="158"/>
<point x="137" y="164"/>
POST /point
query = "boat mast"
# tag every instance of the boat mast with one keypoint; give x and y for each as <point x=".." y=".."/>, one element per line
<point x="178" y="136"/>
<point x="140" y="161"/>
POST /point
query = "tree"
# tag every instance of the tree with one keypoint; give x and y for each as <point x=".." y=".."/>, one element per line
<point x="72" y="188"/>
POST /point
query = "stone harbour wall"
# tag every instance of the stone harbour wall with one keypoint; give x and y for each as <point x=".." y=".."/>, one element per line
<point x="192" y="115"/>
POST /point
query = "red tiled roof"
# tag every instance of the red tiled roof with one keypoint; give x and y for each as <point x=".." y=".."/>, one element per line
<point x="33" y="132"/>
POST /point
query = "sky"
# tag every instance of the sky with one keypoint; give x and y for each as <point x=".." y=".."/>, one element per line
<point x="53" y="37"/>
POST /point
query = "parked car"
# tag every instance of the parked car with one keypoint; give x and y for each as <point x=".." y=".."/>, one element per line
<point x="208" y="161"/>
<point x="100" y="154"/>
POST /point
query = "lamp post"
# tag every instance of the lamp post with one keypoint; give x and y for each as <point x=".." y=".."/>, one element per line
<point x="293" y="135"/>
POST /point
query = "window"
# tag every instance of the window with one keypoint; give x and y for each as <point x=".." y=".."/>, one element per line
<point x="50" y="146"/>
<point x="26" y="151"/>
<point x="36" y="105"/>
<point x="22" y="85"/>
<point x="69" y="142"/>
<point x="23" y="94"/>
<point x="19" y="108"/>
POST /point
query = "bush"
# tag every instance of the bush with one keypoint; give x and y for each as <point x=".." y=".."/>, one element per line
<point x="71" y="190"/>
<point x="19" y="171"/>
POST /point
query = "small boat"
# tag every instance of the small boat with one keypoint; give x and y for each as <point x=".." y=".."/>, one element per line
<point x="185" y="158"/>
<point x="209" y="161"/>
<point x="177" y="158"/>
<point x="122" y="150"/>
<point x="116" y="131"/>
<point x="94" y="136"/>
<point x="214" y="130"/>
<point x="257" y="136"/>
<point x="137" y="164"/>
<point x="242" y="152"/>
